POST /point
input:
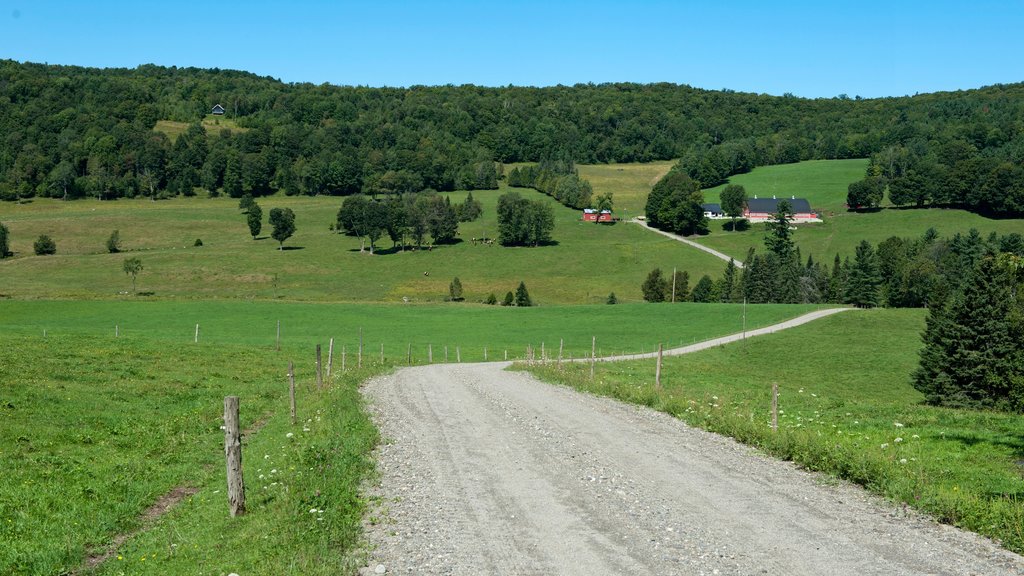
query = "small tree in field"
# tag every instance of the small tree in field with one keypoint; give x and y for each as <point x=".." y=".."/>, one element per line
<point x="5" y="247"/>
<point x="114" y="242"/>
<point x="254" y="217"/>
<point x="44" y="245"/>
<point x="455" y="290"/>
<point x="734" y="199"/>
<point x="509" y="300"/>
<point x="655" y="286"/>
<point x="522" y="296"/>
<point x="132" y="267"/>
<point x="283" y="221"/>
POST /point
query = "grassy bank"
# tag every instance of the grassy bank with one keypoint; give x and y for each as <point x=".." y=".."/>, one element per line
<point x="98" y="429"/>
<point x="846" y="409"/>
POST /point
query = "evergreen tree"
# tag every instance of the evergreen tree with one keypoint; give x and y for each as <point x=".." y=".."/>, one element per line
<point x="973" y="353"/>
<point x="704" y="290"/>
<point x="655" y="286"/>
<point x="44" y="245"/>
<point x="727" y="289"/>
<point x="509" y="299"/>
<point x="862" y="285"/>
<point x="522" y="296"/>
<point x="455" y="290"/>
<point x="612" y="299"/>
<point x="681" y="282"/>
<point x="836" y="282"/>
<point x="491" y="299"/>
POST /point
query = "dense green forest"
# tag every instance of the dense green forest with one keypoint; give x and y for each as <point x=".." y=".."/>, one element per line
<point x="73" y="132"/>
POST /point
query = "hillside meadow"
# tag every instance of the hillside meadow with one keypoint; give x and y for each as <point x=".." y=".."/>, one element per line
<point x="584" y="265"/>
<point x="824" y="183"/>
<point x="847" y="409"/>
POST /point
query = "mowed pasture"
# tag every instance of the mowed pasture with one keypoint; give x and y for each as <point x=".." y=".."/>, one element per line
<point x="824" y="183"/>
<point x="629" y="183"/>
<point x="98" y="427"/>
<point x="585" y="264"/>
<point x="846" y="408"/>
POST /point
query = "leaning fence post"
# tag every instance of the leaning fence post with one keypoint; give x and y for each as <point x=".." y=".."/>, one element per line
<point x="775" y="406"/>
<point x="319" y="372"/>
<point x="330" y="358"/>
<point x="233" y="457"/>
<point x="359" y="362"/>
<point x="657" y="371"/>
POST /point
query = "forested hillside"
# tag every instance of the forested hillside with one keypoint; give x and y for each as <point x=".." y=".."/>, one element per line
<point x="74" y="132"/>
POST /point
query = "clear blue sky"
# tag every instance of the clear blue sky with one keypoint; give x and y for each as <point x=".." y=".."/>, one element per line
<point x="822" y="48"/>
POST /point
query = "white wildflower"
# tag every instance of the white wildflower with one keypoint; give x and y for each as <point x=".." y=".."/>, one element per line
<point x="898" y="440"/>
<point x="289" y="435"/>
<point x="884" y="446"/>
<point x="897" y="424"/>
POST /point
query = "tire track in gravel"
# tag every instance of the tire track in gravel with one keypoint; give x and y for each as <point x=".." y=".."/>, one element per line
<point x="485" y="471"/>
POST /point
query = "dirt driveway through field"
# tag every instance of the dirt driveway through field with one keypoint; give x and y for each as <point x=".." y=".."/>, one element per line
<point x="485" y="471"/>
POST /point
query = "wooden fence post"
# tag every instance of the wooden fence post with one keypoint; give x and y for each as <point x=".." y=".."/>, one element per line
<point x="197" y="334"/>
<point x="277" y="342"/>
<point x="330" y="358"/>
<point x="291" y="388"/>
<point x="543" y="355"/>
<point x="561" y="343"/>
<point x="117" y="331"/>
<point x="657" y="371"/>
<point x="319" y="372"/>
<point x="485" y="353"/>
<point x="408" y="355"/>
<point x="446" y="354"/>
<point x="458" y="355"/>
<point x="593" y="357"/>
<point x="775" y="406"/>
<point x="381" y="352"/>
<point x="430" y="353"/>
<point x="506" y="355"/>
<point x="233" y="457"/>
<point x="359" y="362"/>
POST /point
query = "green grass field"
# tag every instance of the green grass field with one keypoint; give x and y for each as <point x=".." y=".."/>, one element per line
<point x="824" y="184"/>
<point x="212" y="124"/>
<point x="847" y="409"/>
<point x="588" y="262"/>
<point x="98" y="427"/>
<point x="629" y="183"/>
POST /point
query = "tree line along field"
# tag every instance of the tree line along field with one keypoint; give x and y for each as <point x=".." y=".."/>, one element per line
<point x="97" y="427"/>
<point x="824" y="184"/>
<point x="584" y="265"/>
<point x="846" y="408"/>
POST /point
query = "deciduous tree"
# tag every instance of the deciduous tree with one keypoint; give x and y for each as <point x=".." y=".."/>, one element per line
<point x="132" y="267"/>
<point x="283" y="221"/>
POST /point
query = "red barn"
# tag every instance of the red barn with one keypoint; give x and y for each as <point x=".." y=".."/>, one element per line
<point x="604" y="216"/>
<point x="590" y="215"/>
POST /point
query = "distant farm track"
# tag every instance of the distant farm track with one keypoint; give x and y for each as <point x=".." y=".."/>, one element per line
<point x="688" y="242"/>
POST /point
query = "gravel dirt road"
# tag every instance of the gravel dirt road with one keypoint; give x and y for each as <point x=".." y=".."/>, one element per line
<point x="485" y="471"/>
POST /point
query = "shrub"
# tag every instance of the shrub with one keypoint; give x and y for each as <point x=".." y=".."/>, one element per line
<point x="44" y="245"/>
<point x="114" y="242"/>
<point x="198" y="242"/>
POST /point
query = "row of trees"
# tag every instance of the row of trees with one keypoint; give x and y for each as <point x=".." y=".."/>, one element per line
<point x="407" y="217"/>
<point x="948" y="173"/>
<point x="524" y="222"/>
<point x="72" y="132"/>
<point x="556" y="178"/>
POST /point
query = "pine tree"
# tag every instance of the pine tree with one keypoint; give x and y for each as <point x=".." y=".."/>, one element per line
<point x="5" y="247"/>
<point x="655" y="286"/>
<point x="727" y="288"/>
<point x="972" y="355"/>
<point x="681" y="281"/>
<point x="862" y="286"/>
<point x="522" y="296"/>
<point x="455" y="290"/>
<point x="704" y="290"/>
